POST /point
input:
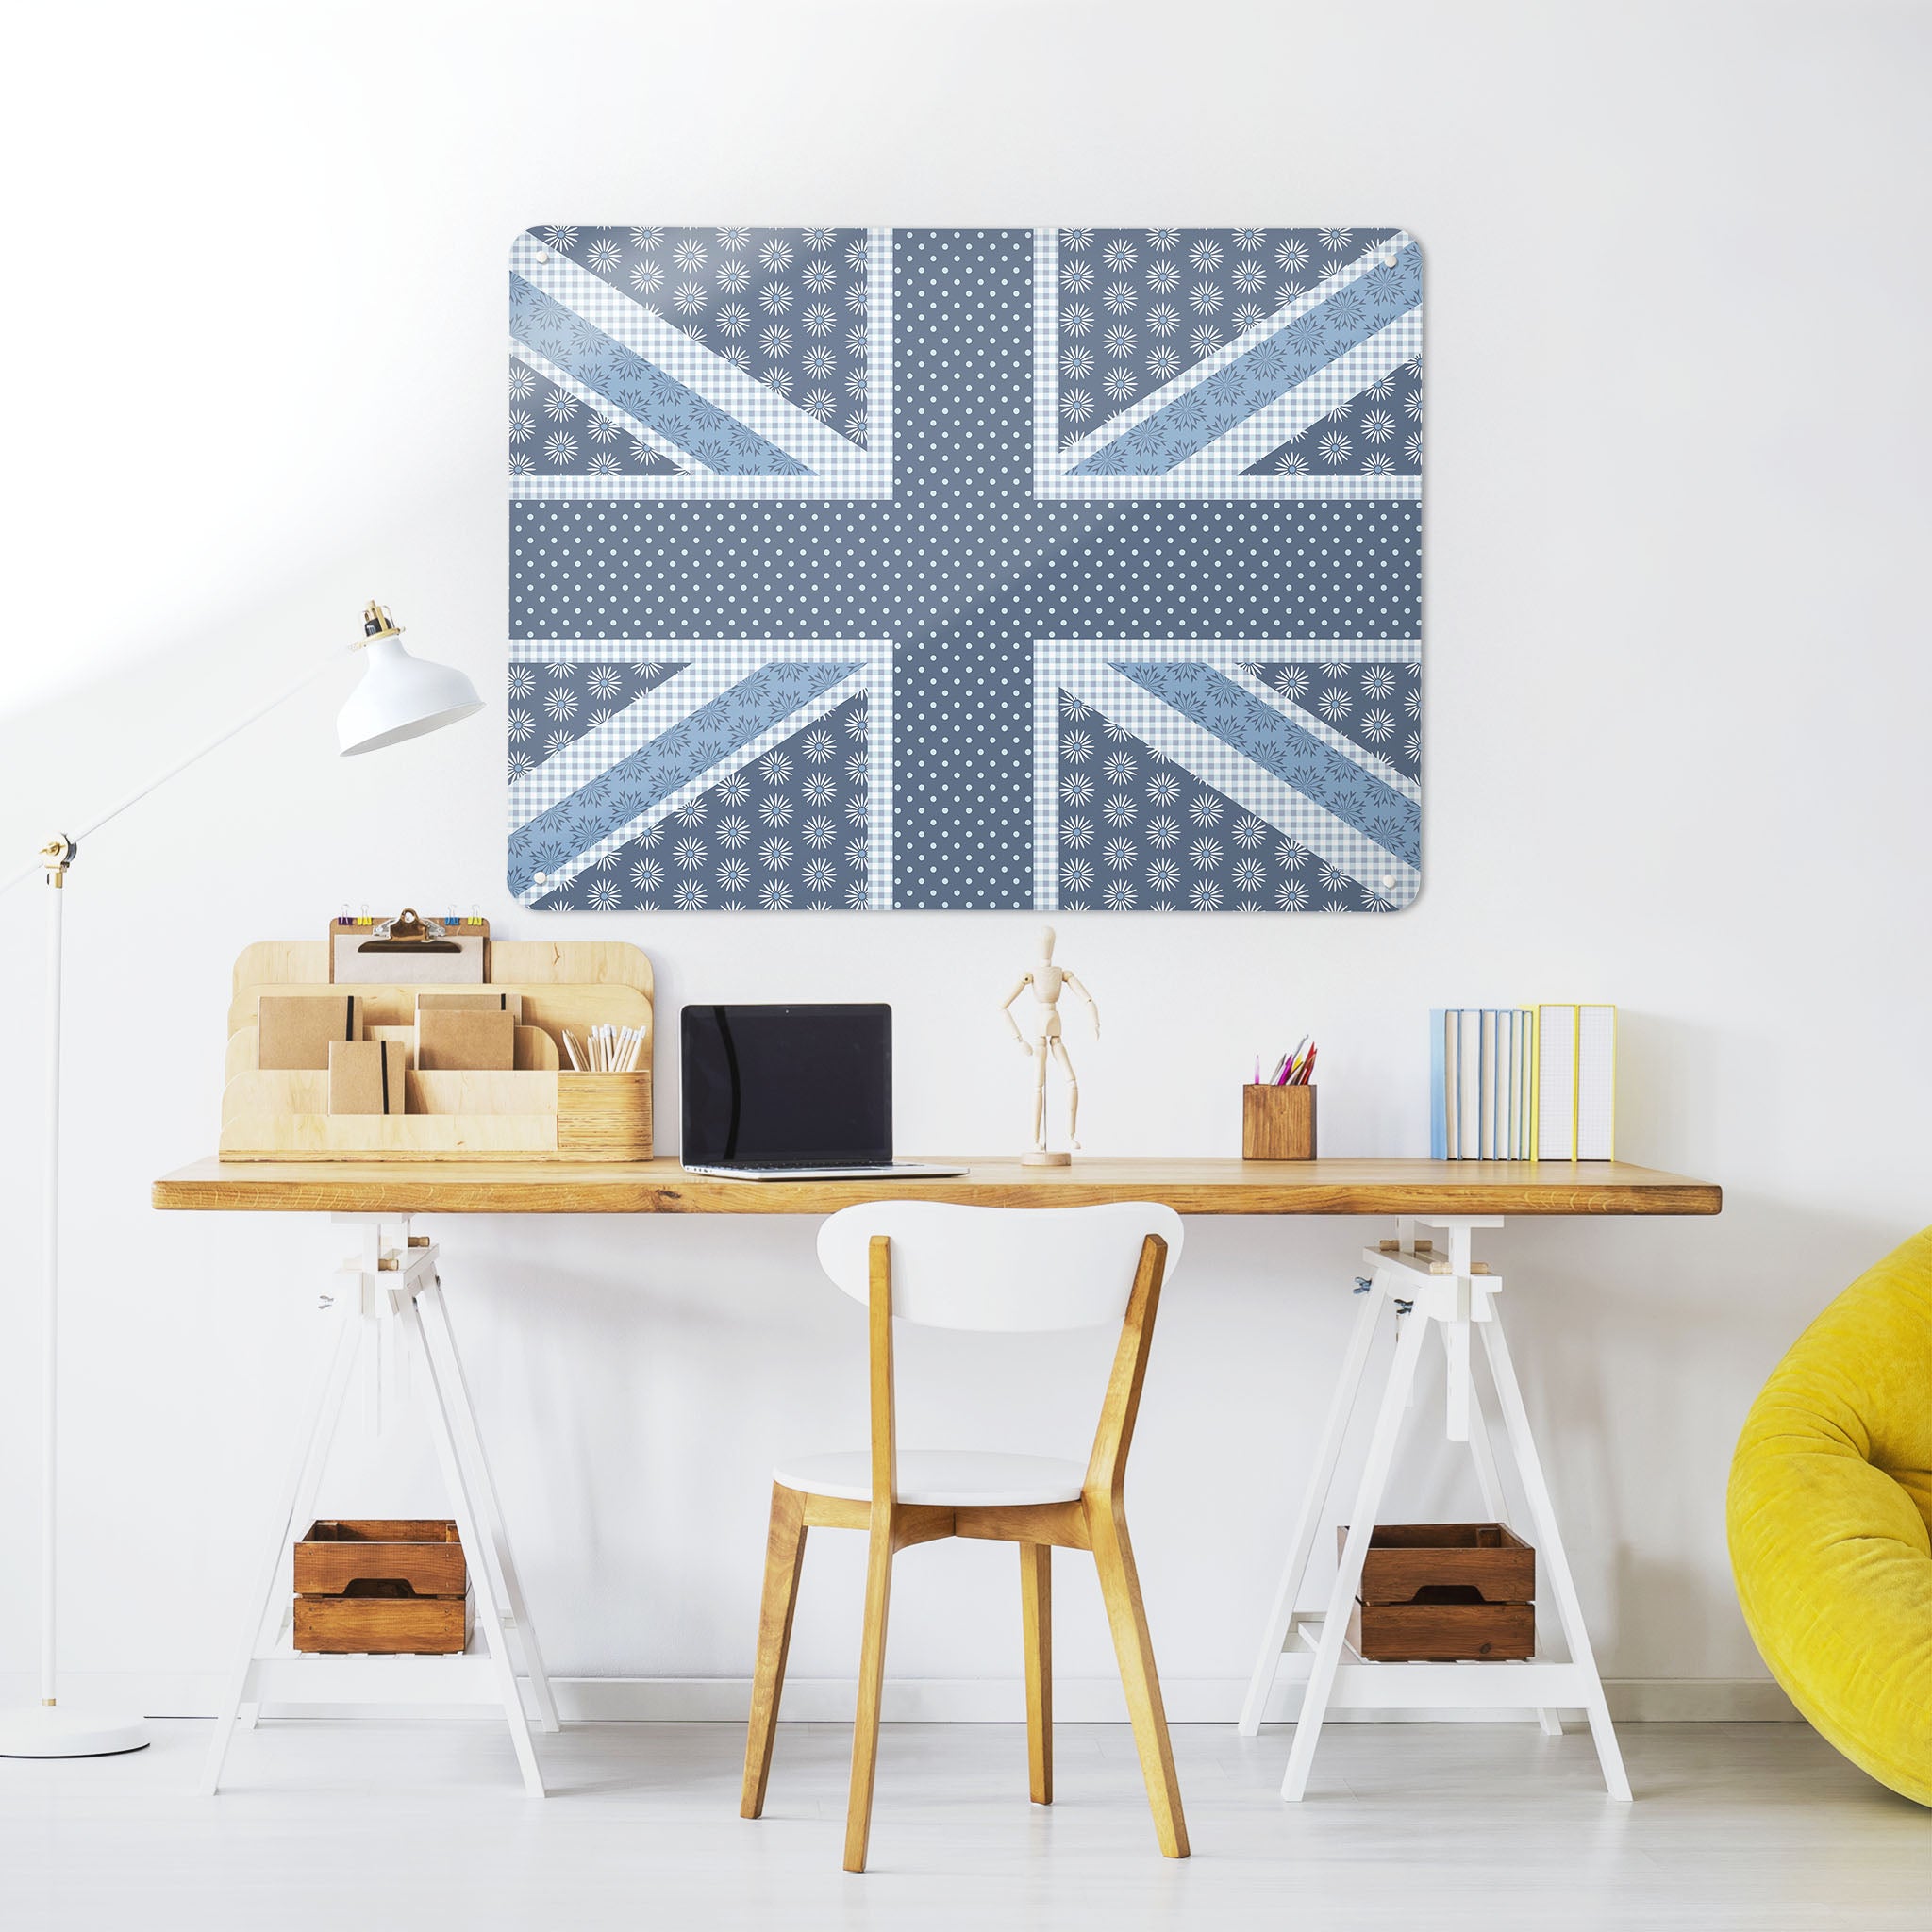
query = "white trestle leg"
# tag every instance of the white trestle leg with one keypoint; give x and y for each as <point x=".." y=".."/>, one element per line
<point x="1445" y="1289"/>
<point x="483" y="1582"/>
<point x="275" y="1586"/>
<point x="390" y="1307"/>
<point x="1308" y="1523"/>
<point x="1543" y="1515"/>
<point x="1348" y="1573"/>
<point x="1488" y="1481"/>
<point x="440" y="1340"/>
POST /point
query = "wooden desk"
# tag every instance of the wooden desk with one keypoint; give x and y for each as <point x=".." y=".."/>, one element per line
<point x="1421" y="1187"/>
<point x="1422" y="1286"/>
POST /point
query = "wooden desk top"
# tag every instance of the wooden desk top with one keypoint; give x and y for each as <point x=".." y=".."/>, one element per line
<point x="1189" y="1186"/>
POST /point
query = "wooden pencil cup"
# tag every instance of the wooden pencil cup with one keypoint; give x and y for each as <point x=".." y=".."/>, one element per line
<point x="1277" y="1123"/>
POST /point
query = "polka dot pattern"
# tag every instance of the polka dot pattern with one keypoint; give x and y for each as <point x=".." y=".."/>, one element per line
<point x="963" y="570"/>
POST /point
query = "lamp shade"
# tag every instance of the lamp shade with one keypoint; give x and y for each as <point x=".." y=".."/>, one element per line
<point x="401" y="696"/>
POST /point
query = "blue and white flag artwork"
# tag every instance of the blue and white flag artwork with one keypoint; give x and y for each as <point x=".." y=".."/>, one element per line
<point x="862" y="568"/>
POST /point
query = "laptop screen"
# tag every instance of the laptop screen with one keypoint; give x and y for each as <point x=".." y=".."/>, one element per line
<point x="788" y="1085"/>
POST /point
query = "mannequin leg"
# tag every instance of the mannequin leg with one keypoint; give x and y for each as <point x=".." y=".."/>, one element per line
<point x="1059" y="1053"/>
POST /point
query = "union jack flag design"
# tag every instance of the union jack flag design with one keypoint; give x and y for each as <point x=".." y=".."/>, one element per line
<point x="870" y="568"/>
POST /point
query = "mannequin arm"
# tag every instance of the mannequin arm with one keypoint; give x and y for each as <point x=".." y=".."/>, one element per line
<point x="1092" y="1005"/>
<point x="1006" y="1013"/>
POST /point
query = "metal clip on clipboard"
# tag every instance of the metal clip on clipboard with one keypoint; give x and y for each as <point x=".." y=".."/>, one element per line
<point x="407" y="933"/>
<point x="410" y="948"/>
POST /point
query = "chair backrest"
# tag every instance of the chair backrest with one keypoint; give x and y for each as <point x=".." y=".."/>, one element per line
<point x="1008" y="1270"/>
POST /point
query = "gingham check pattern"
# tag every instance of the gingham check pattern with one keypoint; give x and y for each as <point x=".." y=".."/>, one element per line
<point x="840" y="468"/>
<point x="1082" y="667"/>
<point x="725" y="660"/>
<point x="1052" y="463"/>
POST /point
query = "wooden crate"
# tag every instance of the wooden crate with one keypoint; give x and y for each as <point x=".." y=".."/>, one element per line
<point x="383" y="1585"/>
<point x="1441" y="1632"/>
<point x="1444" y="1592"/>
<point x="1406" y="1557"/>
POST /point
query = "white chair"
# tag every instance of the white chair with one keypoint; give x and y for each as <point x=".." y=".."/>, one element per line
<point x="1011" y="1271"/>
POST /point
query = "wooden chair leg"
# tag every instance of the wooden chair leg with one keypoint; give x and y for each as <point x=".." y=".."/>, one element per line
<point x="1119" y="1588"/>
<point x="1035" y="1618"/>
<point x="872" y="1682"/>
<point x="784" y="1555"/>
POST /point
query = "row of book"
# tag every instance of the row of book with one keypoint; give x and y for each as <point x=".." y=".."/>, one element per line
<point x="1522" y="1083"/>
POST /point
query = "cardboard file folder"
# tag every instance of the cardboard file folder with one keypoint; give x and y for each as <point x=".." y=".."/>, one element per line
<point x="366" y="1076"/>
<point x="484" y="1000"/>
<point x="449" y="1040"/>
<point x="295" y="1029"/>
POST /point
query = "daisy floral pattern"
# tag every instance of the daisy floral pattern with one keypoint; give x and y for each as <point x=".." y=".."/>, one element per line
<point x="717" y="278"/>
<point x="1200" y="778"/>
<point x="535" y="399"/>
<point x="706" y="343"/>
<point x="706" y="857"/>
<point x="571" y="699"/>
<point x="1377" y="432"/>
<point x="699" y="757"/>
<point x="1243" y="865"/>
<point x="1378" y="707"/>
<point x="1205" y="271"/>
<point x="1164" y="358"/>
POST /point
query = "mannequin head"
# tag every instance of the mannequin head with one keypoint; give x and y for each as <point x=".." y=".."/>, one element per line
<point x="1046" y="942"/>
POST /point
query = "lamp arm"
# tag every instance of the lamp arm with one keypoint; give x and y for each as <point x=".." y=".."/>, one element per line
<point x="307" y="677"/>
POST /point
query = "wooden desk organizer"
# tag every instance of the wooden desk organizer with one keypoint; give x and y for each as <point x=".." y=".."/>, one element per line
<point x="541" y="1111"/>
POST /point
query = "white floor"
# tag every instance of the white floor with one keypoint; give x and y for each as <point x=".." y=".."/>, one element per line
<point x="347" y="1826"/>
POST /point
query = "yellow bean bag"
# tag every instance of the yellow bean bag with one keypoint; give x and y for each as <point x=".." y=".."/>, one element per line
<point x="1831" y="1494"/>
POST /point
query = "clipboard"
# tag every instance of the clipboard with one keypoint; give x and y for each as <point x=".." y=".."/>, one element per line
<point x="408" y="947"/>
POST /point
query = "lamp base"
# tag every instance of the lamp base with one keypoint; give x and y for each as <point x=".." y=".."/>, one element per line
<point x="50" y="1730"/>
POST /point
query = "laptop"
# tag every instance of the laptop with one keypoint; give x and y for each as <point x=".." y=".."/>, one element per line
<point x="791" y="1094"/>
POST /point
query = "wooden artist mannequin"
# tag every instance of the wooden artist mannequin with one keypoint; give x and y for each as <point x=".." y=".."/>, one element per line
<point x="1047" y="980"/>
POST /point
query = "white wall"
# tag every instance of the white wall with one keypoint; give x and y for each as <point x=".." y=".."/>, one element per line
<point x="1676" y="690"/>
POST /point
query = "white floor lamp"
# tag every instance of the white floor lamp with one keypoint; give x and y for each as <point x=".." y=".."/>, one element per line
<point x="399" y="697"/>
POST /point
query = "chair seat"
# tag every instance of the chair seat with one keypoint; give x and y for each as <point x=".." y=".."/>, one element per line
<point x="950" y="1478"/>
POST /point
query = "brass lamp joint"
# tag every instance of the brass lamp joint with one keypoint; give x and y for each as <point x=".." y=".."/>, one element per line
<point x="57" y="855"/>
<point x="377" y="623"/>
